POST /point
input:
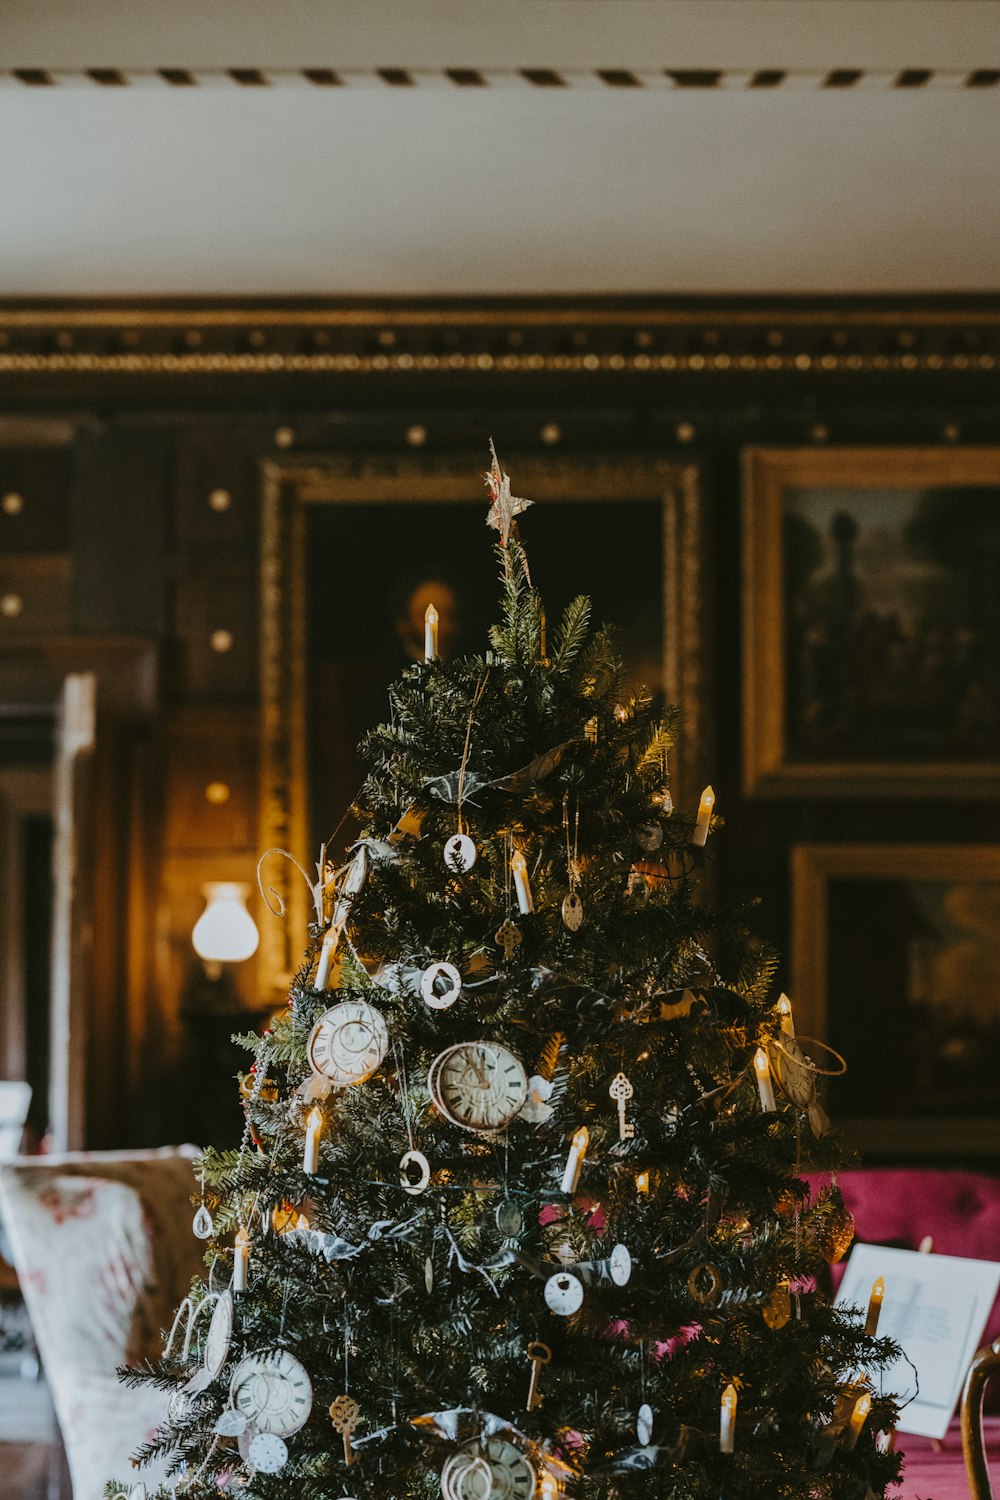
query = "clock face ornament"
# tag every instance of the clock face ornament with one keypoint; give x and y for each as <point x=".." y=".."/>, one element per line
<point x="273" y="1391"/>
<point x="494" y="1470"/>
<point x="220" y="1331"/>
<point x="620" y="1265"/>
<point x="267" y="1452"/>
<point x="478" y="1085"/>
<point x="564" y="1294"/>
<point x="348" y="1042"/>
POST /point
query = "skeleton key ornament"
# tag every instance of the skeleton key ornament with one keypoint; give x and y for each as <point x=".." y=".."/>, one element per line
<point x="620" y="1091"/>
<point x="508" y="937"/>
<point x="539" y="1354"/>
<point x="345" y="1414"/>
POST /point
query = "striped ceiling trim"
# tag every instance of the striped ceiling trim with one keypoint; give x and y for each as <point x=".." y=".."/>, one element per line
<point x="542" y="78"/>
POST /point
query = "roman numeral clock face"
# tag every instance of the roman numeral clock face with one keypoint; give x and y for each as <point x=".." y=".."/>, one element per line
<point x="513" y="1478"/>
<point x="348" y="1042"/>
<point x="273" y="1391"/>
<point x="478" y="1085"/>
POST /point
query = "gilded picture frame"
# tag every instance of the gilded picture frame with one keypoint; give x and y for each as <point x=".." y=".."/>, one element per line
<point x="895" y="963"/>
<point x="292" y="489"/>
<point x="871" y="622"/>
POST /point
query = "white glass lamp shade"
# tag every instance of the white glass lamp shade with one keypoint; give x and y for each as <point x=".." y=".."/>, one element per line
<point x="225" y="933"/>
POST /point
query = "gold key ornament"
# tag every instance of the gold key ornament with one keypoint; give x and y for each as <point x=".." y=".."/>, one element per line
<point x="539" y="1354"/>
<point x="345" y="1414"/>
<point x="620" y="1091"/>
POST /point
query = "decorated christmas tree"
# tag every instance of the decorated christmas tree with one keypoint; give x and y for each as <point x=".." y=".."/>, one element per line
<point x="519" y="1208"/>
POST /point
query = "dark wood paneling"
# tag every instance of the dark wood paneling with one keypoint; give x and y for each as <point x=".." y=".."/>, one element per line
<point x="118" y="531"/>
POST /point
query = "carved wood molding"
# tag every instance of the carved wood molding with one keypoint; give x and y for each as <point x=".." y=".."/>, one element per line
<point x="585" y="337"/>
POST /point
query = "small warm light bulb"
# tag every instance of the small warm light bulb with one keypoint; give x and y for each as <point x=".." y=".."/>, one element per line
<point x="704" y="821"/>
<point x="857" y="1420"/>
<point x="642" y="1182"/>
<point x="577" y="1151"/>
<point x="763" y="1070"/>
<point x="430" y="633"/>
<point x="875" y="1305"/>
<point x="314" y="1125"/>
<point x="225" y="933"/>
<point x="549" y="1487"/>
<point x="727" y="1420"/>
<point x="519" y="870"/>
<point x="241" y="1260"/>
<point x="784" y="1009"/>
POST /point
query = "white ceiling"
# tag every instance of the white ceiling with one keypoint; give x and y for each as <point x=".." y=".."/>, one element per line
<point x="371" y="190"/>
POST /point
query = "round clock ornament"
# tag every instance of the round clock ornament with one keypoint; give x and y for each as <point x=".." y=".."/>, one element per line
<point x="620" y="1265"/>
<point x="459" y="854"/>
<point x="348" y="1043"/>
<point x="572" y="912"/>
<point x="268" y="1452"/>
<point x="220" y="1331"/>
<point x="273" y="1391"/>
<point x="478" y="1086"/>
<point x="564" y="1294"/>
<point x="649" y="837"/>
<point x="440" y="985"/>
<point x="495" y="1470"/>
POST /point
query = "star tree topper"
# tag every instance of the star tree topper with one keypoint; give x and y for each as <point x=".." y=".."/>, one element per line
<point x="503" y="505"/>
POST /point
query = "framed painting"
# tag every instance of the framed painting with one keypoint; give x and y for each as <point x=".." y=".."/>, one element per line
<point x="871" y="613"/>
<point x="896" y="965"/>
<point x="354" y="550"/>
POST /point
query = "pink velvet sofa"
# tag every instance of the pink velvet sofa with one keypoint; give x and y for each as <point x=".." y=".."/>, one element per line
<point x="960" y="1211"/>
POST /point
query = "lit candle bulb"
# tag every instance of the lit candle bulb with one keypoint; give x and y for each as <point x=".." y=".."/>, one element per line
<point x="327" y="954"/>
<point x="875" y="1305"/>
<point x="430" y="633"/>
<point x="519" y="870"/>
<point x="241" y="1260"/>
<point x="314" y="1124"/>
<point x="549" y="1488"/>
<point x="763" y="1070"/>
<point x="727" y="1420"/>
<point x="784" y="1009"/>
<point x="701" y="827"/>
<point x="574" y="1161"/>
<point x="858" y="1417"/>
<point x="642" y="1182"/>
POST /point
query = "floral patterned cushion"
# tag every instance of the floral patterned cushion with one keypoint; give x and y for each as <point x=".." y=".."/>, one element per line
<point x="103" y="1247"/>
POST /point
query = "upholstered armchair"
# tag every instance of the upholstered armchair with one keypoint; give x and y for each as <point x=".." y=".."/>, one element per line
<point x="104" y="1252"/>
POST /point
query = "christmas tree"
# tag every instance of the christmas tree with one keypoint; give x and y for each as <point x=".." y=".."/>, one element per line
<point x="519" y="1208"/>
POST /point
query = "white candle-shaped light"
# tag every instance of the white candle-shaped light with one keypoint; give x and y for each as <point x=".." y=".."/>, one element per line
<point x="784" y="1009"/>
<point x="430" y="633"/>
<point x="858" y="1418"/>
<point x="701" y="827"/>
<point x="727" y="1420"/>
<point x="241" y="1260"/>
<point x="642" y="1182"/>
<point x="762" y="1068"/>
<point x="327" y="954"/>
<point x="519" y="870"/>
<point x="574" y="1161"/>
<point x="875" y="1306"/>
<point x="314" y="1126"/>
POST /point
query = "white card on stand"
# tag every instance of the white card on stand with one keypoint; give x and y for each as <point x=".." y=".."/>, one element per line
<point x="935" y="1307"/>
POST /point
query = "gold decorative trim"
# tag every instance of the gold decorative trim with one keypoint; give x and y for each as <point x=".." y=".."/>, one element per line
<point x="767" y="473"/>
<point x="589" y="337"/>
<point x="288" y="489"/>
<point x="486" y="362"/>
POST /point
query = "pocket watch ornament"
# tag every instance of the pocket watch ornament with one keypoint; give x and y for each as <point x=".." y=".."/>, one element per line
<point x="495" y="1470"/>
<point x="479" y="1086"/>
<point x="267" y="1452"/>
<point x="220" y="1331"/>
<point x="273" y="1391"/>
<point x="348" y="1043"/>
<point x="564" y="1294"/>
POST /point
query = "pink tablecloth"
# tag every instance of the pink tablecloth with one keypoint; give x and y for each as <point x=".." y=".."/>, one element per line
<point x="940" y="1475"/>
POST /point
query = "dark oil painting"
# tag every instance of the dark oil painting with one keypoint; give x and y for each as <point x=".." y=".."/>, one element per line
<point x="892" y="623"/>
